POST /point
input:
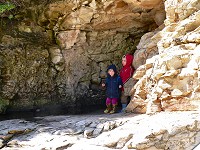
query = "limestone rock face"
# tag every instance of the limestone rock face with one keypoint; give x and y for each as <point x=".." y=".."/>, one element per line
<point x="165" y="130"/>
<point x="167" y="62"/>
<point x="57" y="52"/>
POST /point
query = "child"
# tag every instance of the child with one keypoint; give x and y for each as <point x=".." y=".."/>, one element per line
<point x="126" y="73"/>
<point x="113" y="83"/>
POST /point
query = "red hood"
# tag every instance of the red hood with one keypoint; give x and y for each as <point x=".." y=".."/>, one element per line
<point x="129" y="60"/>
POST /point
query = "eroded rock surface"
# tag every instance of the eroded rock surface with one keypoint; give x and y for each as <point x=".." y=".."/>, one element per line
<point x="167" y="62"/>
<point x="166" y="130"/>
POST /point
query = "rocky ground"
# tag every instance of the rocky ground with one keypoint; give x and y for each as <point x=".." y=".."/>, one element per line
<point x="165" y="130"/>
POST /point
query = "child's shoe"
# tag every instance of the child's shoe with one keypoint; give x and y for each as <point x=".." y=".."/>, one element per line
<point x="108" y="109"/>
<point x="113" y="109"/>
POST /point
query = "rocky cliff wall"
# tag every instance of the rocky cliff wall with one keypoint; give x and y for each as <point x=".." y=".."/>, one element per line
<point x="168" y="62"/>
<point x="57" y="52"/>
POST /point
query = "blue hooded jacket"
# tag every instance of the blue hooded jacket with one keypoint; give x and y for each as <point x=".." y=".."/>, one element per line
<point x="112" y="84"/>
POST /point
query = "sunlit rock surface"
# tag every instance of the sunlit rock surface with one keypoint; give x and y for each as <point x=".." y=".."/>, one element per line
<point x="165" y="130"/>
<point x="167" y="62"/>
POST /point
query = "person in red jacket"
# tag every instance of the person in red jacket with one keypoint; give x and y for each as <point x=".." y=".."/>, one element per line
<point x="126" y="73"/>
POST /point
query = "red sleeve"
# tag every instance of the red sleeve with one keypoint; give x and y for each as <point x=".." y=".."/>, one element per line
<point x="126" y="73"/>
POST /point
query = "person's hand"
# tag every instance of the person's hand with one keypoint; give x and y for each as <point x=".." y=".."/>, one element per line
<point x="120" y="86"/>
<point x="103" y="84"/>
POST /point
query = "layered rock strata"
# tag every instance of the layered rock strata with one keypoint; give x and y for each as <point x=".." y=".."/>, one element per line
<point x="167" y="62"/>
<point x="165" y="130"/>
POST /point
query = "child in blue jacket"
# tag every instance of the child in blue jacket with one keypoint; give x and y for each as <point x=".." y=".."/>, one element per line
<point x="113" y="85"/>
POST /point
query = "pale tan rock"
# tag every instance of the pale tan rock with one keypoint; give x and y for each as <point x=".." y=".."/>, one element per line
<point x="88" y="132"/>
<point x="56" y="55"/>
<point x="140" y="72"/>
<point x="170" y="83"/>
<point x="150" y="3"/>
<point x="67" y="39"/>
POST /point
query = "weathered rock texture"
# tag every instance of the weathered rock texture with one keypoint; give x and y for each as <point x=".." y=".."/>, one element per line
<point x="58" y="52"/>
<point x="165" y="130"/>
<point x="167" y="62"/>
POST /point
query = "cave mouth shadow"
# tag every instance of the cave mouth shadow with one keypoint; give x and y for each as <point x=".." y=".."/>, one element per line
<point x="53" y="110"/>
<point x="58" y="109"/>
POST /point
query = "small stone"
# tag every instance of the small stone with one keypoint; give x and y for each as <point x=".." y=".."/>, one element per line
<point x="106" y="127"/>
<point x="123" y="140"/>
<point x="88" y="132"/>
<point x="112" y="125"/>
<point x="97" y="131"/>
<point x="12" y="143"/>
<point x="1" y="143"/>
